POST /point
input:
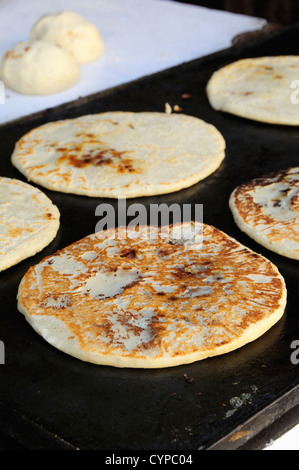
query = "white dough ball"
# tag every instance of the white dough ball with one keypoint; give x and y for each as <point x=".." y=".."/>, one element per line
<point x="39" y="68"/>
<point x="72" y="32"/>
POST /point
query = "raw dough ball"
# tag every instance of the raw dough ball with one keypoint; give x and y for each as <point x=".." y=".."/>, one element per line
<point x="71" y="31"/>
<point x="39" y="68"/>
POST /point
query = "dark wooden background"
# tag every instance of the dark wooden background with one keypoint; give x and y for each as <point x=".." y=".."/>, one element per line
<point x="284" y="12"/>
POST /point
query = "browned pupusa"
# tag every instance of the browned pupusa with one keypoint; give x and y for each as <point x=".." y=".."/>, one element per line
<point x="140" y="301"/>
<point x="264" y="89"/>
<point x="29" y="221"/>
<point x="267" y="209"/>
<point x="120" y="154"/>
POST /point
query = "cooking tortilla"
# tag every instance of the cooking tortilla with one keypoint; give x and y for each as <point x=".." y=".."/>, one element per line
<point x="267" y="210"/>
<point x="29" y="221"/>
<point x="263" y="89"/>
<point x="152" y="297"/>
<point x="120" y="154"/>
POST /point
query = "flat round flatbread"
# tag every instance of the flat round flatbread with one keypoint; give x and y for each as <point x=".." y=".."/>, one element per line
<point x="267" y="209"/>
<point x="120" y="154"/>
<point x="28" y="221"/>
<point x="152" y="298"/>
<point x="262" y="89"/>
<point x="39" y="68"/>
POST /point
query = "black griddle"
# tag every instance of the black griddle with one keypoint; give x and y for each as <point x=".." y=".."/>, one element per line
<point x="49" y="400"/>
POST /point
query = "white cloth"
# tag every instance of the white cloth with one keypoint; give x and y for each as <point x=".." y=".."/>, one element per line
<point x="141" y="37"/>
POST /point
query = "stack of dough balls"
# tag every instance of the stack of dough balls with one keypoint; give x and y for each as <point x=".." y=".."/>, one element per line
<point x="49" y="62"/>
